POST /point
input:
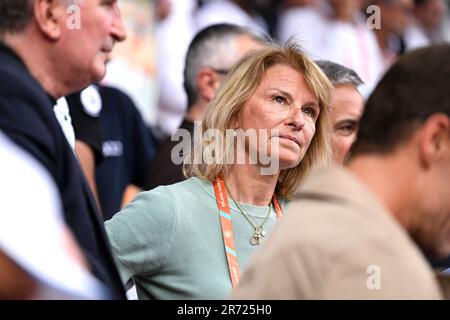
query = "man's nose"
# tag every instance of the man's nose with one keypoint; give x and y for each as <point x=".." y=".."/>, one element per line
<point x="118" y="27"/>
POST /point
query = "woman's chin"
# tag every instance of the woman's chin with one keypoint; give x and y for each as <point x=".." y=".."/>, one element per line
<point x="289" y="163"/>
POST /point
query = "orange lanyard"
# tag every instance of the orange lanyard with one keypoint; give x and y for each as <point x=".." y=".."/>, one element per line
<point x="227" y="227"/>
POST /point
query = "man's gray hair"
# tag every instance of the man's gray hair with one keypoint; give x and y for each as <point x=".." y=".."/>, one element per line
<point x="213" y="47"/>
<point x="338" y="74"/>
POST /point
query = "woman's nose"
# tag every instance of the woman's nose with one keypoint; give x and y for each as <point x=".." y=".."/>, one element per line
<point x="296" y="119"/>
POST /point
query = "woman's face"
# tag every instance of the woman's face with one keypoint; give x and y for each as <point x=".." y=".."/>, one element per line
<point x="284" y="102"/>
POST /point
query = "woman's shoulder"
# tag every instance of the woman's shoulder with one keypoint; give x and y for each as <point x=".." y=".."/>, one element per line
<point x="179" y="189"/>
<point x="170" y="195"/>
<point x="162" y="204"/>
<point x="156" y="208"/>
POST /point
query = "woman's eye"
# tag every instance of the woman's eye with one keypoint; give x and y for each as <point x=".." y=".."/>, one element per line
<point x="311" y="112"/>
<point x="279" y="99"/>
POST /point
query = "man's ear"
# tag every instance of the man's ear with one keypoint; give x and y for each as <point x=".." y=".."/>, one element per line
<point x="435" y="138"/>
<point x="208" y="81"/>
<point x="50" y="17"/>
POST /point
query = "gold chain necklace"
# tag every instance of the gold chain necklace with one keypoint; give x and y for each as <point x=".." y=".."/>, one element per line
<point x="259" y="232"/>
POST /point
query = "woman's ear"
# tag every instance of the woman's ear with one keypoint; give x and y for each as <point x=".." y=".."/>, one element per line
<point x="235" y="121"/>
<point x="50" y="17"/>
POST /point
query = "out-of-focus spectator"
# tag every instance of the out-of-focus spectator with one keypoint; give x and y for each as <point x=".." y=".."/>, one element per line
<point x="173" y="36"/>
<point x="347" y="107"/>
<point x="299" y="19"/>
<point x="335" y="31"/>
<point x="133" y="67"/>
<point x="212" y="53"/>
<point x="396" y="16"/>
<point x="239" y="12"/>
<point x="39" y="257"/>
<point x="429" y="17"/>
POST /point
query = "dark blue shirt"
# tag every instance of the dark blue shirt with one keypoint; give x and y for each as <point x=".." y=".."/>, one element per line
<point x="127" y="149"/>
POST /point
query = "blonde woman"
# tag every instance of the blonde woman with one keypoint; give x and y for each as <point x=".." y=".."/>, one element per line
<point x="191" y="240"/>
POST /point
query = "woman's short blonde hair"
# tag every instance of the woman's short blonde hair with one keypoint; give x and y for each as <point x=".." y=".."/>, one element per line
<point x="236" y="89"/>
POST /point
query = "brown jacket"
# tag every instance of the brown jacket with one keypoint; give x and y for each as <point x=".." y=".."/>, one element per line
<point x="337" y="242"/>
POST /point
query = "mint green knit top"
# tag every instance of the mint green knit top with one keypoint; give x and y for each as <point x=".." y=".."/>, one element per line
<point x="169" y="241"/>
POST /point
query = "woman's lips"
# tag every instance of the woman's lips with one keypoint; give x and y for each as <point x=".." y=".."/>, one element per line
<point x="292" y="138"/>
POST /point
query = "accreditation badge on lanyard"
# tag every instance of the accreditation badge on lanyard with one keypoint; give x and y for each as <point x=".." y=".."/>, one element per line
<point x="227" y="227"/>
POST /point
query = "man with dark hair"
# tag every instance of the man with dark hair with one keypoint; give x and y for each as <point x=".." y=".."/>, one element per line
<point x="212" y="52"/>
<point x="347" y="107"/>
<point x="360" y="232"/>
<point x="49" y="49"/>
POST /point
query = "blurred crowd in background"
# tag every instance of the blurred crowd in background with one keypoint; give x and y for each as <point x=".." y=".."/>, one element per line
<point x="149" y="65"/>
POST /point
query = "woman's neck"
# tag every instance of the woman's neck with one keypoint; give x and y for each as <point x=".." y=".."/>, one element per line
<point x="246" y="184"/>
